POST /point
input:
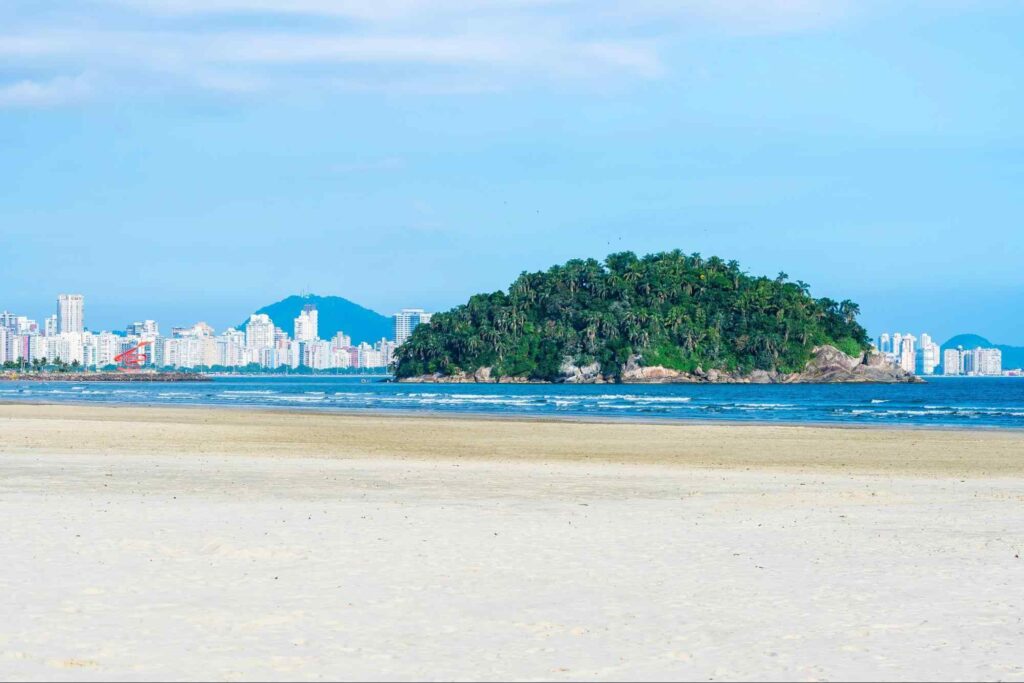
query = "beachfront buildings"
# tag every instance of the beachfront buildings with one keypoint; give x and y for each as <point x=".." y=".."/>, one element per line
<point x="406" y="321"/>
<point x="923" y="356"/>
<point x="978" y="362"/>
<point x="64" y="338"/>
<point x="919" y="356"/>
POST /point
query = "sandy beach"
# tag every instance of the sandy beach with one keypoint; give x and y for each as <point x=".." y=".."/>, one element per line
<point x="246" y="545"/>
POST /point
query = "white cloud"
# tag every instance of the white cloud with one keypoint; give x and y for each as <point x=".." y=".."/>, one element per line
<point x="441" y="46"/>
<point x="32" y="93"/>
<point x="744" y="15"/>
<point x="247" y="61"/>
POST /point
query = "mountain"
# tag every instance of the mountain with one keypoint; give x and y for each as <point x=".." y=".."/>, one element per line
<point x="683" y="314"/>
<point x="1013" y="356"/>
<point x="335" y="314"/>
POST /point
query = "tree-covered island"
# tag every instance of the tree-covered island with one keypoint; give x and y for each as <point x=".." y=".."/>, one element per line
<point x="661" y="317"/>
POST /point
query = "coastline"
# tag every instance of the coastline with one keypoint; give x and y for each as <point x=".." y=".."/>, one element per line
<point x="82" y="377"/>
<point x="123" y="429"/>
<point x="554" y="418"/>
<point x="527" y="418"/>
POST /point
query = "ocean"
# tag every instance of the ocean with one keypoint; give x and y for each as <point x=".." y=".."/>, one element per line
<point x="953" y="402"/>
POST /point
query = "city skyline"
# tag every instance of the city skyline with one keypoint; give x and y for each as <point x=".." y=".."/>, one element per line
<point x="259" y="343"/>
<point x="870" y="149"/>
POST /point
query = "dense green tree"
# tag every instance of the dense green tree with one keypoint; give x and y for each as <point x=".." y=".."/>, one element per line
<point x="672" y="309"/>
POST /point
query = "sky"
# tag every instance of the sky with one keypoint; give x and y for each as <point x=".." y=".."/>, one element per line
<point x="185" y="160"/>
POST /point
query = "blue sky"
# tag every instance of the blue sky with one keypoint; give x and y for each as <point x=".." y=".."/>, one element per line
<point x="196" y="159"/>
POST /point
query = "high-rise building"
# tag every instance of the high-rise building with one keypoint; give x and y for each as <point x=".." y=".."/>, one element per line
<point x="70" y="314"/>
<point x="27" y="326"/>
<point x="50" y="326"/>
<point x="885" y="343"/>
<point x="341" y="341"/>
<point x="951" y="364"/>
<point x="407" y="320"/>
<point x="908" y="352"/>
<point x="259" y="332"/>
<point x="106" y="348"/>
<point x="307" y="324"/>
<point x="984" y="362"/>
<point x="927" y="356"/>
<point x="988" y="362"/>
<point x="147" y="328"/>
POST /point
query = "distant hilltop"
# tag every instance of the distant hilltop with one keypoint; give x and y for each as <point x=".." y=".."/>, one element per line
<point x="336" y="314"/>
<point x="669" y="317"/>
<point x="1013" y="356"/>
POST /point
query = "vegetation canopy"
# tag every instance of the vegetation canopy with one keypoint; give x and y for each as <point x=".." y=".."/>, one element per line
<point x="670" y="309"/>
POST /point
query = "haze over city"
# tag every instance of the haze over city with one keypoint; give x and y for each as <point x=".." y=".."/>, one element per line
<point x="191" y="161"/>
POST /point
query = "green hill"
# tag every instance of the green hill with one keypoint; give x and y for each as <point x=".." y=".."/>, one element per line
<point x="1013" y="356"/>
<point x="335" y="313"/>
<point x="673" y="310"/>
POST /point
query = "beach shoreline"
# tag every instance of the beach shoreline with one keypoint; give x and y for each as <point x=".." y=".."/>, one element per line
<point x="490" y="416"/>
<point x="101" y="428"/>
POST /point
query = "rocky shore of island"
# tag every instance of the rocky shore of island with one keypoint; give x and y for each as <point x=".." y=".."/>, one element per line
<point x="828" y="365"/>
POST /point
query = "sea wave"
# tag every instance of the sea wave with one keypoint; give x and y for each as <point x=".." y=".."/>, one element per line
<point x="997" y="404"/>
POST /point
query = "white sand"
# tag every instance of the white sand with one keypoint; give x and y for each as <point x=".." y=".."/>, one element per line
<point x="171" y="567"/>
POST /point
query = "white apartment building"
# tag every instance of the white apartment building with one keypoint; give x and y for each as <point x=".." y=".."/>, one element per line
<point x="928" y="356"/>
<point x="70" y="314"/>
<point x="317" y="355"/>
<point x="988" y="362"/>
<point x="18" y="324"/>
<point x="341" y="358"/>
<point x="341" y="341"/>
<point x="184" y="352"/>
<point x="908" y="353"/>
<point x="230" y="349"/>
<point x="32" y="347"/>
<point x="107" y="347"/>
<point x="369" y="357"/>
<point x="145" y="328"/>
<point x="407" y="320"/>
<point x="307" y="324"/>
<point x="66" y="347"/>
<point x="6" y="345"/>
<point x="953" y="362"/>
<point x="259" y="332"/>
<point x="387" y="348"/>
<point x="885" y="343"/>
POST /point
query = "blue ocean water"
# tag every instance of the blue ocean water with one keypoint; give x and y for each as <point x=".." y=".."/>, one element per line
<point x="964" y="402"/>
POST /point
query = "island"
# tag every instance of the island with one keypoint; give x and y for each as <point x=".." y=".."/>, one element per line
<point x="666" y="317"/>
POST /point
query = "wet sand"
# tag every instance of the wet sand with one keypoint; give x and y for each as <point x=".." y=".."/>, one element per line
<point x="127" y="430"/>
